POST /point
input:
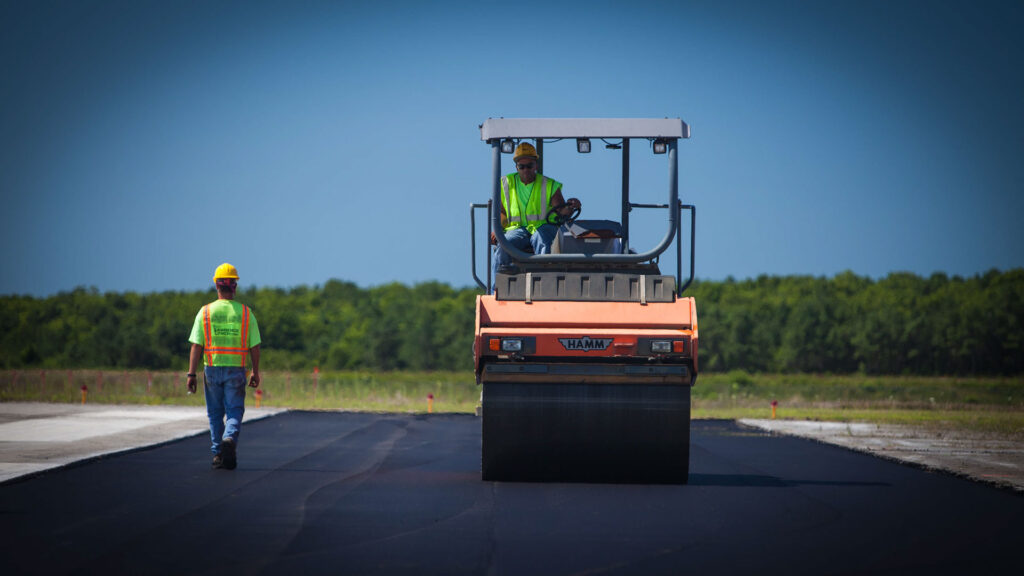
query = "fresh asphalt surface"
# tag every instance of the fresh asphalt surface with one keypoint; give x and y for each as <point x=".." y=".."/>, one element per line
<point x="352" y="493"/>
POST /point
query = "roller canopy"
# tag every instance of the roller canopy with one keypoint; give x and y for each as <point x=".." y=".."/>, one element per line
<point x="496" y="128"/>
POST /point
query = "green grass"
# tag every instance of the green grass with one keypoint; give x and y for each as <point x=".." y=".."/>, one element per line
<point x="359" y="391"/>
<point x="990" y="405"/>
<point x="858" y="390"/>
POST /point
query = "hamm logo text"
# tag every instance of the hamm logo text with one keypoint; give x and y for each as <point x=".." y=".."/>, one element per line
<point x="586" y="343"/>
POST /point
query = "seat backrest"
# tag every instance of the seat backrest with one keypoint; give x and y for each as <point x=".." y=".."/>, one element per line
<point x="588" y="237"/>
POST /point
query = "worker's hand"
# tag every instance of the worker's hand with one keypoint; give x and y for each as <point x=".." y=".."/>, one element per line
<point x="254" y="380"/>
<point x="494" y="241"/>
<point x="573" y="203"/>
<point x="190" y="382"/>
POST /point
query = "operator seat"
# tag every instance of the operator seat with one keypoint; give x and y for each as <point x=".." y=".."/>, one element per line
<point x="588" y="237"/>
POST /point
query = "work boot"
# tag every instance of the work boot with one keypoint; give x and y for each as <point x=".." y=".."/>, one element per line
<point x="218" y="462"/>
<point x="227" y="450"/>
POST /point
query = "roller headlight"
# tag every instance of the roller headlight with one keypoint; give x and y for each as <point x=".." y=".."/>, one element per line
<point x="661" y="346"/>
<point x="511" y="345"/>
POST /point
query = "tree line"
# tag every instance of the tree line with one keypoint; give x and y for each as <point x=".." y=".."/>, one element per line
<point x="900" y="324"/>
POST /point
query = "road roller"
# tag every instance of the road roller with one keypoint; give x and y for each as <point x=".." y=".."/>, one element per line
<point x="586" y="354"/>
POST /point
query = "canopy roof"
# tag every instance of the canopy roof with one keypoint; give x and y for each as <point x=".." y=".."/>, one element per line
<point x="497" y="128"/>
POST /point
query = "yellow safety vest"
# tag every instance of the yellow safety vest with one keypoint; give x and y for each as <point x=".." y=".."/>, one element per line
<point x="228" y="338"/>
<point x="536" y="208"/>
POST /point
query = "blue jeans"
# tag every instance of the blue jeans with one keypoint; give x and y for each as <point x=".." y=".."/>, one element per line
<point x="225" y="396"/>
<point x="540" y="241"/>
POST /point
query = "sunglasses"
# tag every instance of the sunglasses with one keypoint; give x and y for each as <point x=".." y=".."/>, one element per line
<point x="527" y="165"/>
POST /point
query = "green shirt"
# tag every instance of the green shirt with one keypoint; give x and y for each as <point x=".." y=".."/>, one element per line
<point x="226" y="328"/>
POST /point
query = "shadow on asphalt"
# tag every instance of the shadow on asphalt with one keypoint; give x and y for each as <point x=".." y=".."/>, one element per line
<point x="762" y="481"/>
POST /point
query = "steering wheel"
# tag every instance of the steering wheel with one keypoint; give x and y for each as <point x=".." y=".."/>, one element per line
<point x="553" y="217"/>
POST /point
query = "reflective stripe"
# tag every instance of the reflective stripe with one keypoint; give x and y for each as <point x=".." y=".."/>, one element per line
<point x="208" y="332"/>
<point x="245" y="332"/>
<point x="506" y="199"/>
<point x="544" y="201"/>
<point x="544" y="191"/>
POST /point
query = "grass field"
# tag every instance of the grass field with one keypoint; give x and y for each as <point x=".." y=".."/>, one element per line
<point x="994" y="405"/>
<point x="982" y="404"/>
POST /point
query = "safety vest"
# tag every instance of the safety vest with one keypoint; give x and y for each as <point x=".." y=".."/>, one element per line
<point x="536" y="208"/>
<point x="227" y="339"/>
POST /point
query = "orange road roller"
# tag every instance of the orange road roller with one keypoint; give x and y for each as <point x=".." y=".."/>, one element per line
<point x="585" y="352"/>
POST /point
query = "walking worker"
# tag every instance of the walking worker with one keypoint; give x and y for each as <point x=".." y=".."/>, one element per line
<point x="224" y="333"/>
<point x="526" y="198"/>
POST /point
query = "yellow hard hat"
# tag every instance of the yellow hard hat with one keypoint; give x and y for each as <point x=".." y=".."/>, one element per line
<point x="225" y="270"/>
<point x="524" y="149"/>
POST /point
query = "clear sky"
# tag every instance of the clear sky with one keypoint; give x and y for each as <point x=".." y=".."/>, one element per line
<point x="143" y="143"/>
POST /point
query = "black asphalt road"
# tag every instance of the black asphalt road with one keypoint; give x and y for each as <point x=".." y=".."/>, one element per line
<point x="343" y="493"/>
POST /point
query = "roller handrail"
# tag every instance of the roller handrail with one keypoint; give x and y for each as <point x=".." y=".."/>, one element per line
<point x="679" y="256"/>
<point x="472" y="243"/>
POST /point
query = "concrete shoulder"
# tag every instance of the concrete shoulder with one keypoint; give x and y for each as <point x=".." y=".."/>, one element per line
<point x="977" y="456"/>
<point x="35" y="437"/>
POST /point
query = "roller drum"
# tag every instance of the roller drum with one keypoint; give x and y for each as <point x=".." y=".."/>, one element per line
<point x="586" y="432"/>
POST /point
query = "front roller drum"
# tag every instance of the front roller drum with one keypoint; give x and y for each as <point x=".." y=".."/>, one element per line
<point x="586" y="432"/>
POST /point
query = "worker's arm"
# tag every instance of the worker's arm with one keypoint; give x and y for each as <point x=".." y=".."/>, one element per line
<point x="254" y="354"/>
<point x="194" y="356"/>
<point x="565" y="208"/>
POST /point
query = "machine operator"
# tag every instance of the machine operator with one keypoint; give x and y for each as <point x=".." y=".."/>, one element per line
<point x="526" y="198"/>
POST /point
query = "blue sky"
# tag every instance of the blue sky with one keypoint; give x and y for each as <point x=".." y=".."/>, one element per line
<point x="143" y="143"/>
